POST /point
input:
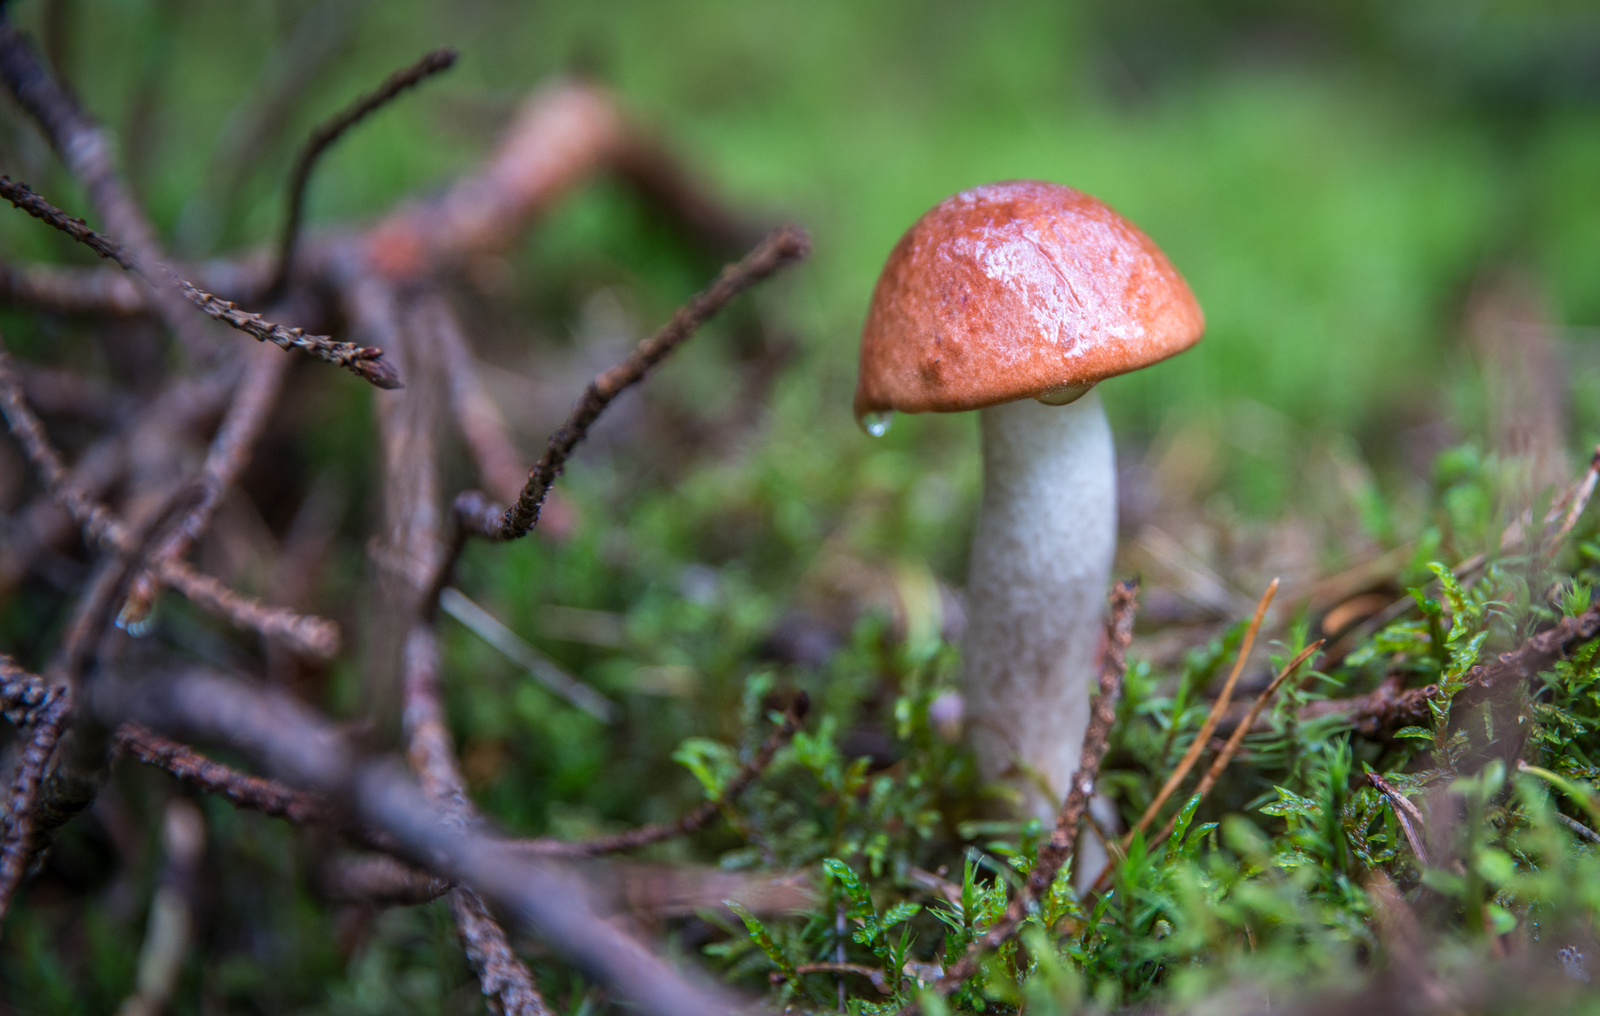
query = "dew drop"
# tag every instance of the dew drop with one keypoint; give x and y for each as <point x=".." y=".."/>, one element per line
<point x="876" y="424"/>
<point x="1061" y="395"/>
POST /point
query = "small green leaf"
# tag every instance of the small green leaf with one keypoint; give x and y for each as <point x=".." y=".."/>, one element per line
<point x="763" y="938"/>
<point x="1420" y="733"/>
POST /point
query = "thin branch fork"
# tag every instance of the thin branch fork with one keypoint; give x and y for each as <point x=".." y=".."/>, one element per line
<point x="330" y="131"/>
<point x="692" y="820"/>
<point x="363" y="361"/>
<point x="480" y="516"/>
<point x="230" y="450"/>
<point x="315" y="636"/>
<point x="1054" y="852"/>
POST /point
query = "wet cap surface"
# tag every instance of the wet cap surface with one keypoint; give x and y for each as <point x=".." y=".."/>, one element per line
<point x="1007" y="290"/>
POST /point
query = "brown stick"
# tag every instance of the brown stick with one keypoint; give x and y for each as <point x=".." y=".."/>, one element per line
<point x="87" y="155"/>
<point x="71" y="290"/>
<point x="1231" y="748"/>
<point x="21" y="796"/>
<point x="692" y="820"/>
<point x="313" y="635"/>
<point x="305" y="751"/>
<point x="230" y="451"/>
<point x="782" y="247"/>
<point x="411" y="497"/>
<point x="1054" y="852"/>
<point x="363" y="361"/>
<point x="1193" y="754"/>
<point x="1409" y="815"/>
<point x="24" y="697"/>
<point x="500" y="466"/>
<point x="196" y="770"/>
<point x="330" y="131"/>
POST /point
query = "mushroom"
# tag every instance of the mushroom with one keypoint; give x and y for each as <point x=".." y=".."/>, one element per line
<point x="1015" y="299"/>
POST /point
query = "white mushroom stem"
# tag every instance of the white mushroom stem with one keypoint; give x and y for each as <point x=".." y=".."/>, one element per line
<point x="1041" y="563"/>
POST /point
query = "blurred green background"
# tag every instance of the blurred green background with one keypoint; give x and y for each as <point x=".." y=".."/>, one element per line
<point x="1339" y="182"/>
<point x="1332" y="178"/>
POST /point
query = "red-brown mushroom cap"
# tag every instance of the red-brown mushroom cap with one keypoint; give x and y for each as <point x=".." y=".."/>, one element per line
<point x="1008" y="290"/>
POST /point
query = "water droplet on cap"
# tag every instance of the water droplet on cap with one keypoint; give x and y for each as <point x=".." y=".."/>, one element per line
<point x="876" y="424"/>
<point x="1061" y="395"/>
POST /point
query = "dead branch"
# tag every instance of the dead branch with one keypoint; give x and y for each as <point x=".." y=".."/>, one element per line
<point x="87" y="155"/>
<point x="363" y="361"/>
<point x="500" y="465"/>
<point x="1409" y="816"/>
<point x="1231" y="747"/>
<point x="19" y="820"/>
<point x="377" y="880"/>
<point x="70" y="290"/>
<point x="230" y="450"/>
<point x="24" y="698"/>
<point x="1053" y="853"/>
<point x="330" y="131"/>
<point x="479" y="516"/>
<point x="692" y="820"/>
<point x="313" y="635"/>
<point x="42" y="797"/>
<point x="1534" y="656"/>
<point x="305" y="751"/>
<point x="1190" y="757"/>
<point x="196" y="770"/>
<point x="560" y="135"/>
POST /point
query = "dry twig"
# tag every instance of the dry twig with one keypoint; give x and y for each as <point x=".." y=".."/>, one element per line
<point x="330" y="131"/>
<point x="1231" y="748"/>
<point x="1204" y="736"/>
<point x="482" y="517"/>
<point x="87" y="154"/>
<point x="364" y="361"/>
<point x="306" y="752"/>
<point x="314" y="635"/>
<point x="196" y="770"/>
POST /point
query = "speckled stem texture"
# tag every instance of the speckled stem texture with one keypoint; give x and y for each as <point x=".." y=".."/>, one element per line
<point x="1041" y="562"/>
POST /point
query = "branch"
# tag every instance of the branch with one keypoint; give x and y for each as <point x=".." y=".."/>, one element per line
<point x="379" y="880"/>
<point x="196" y="770"/>
<point x="313" y="635"/>
<point x="782" y="247"/>
<point x="363" y="361"/>
<point x="1201" y="739"/>
<point x="25" y="698"/>
<point x="21" y="796"/>
<point x="87" y="156"/>
<point x="692" y="820"/>
<point x="71" y="290"/>
<point x="330" y="131"/>
<point x="500" y="467"/>
<point x="1534" y="656"/>
<point x="1053" y="853"/>
<point x="229" y="452"/>
<point x="307" y="752"/>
